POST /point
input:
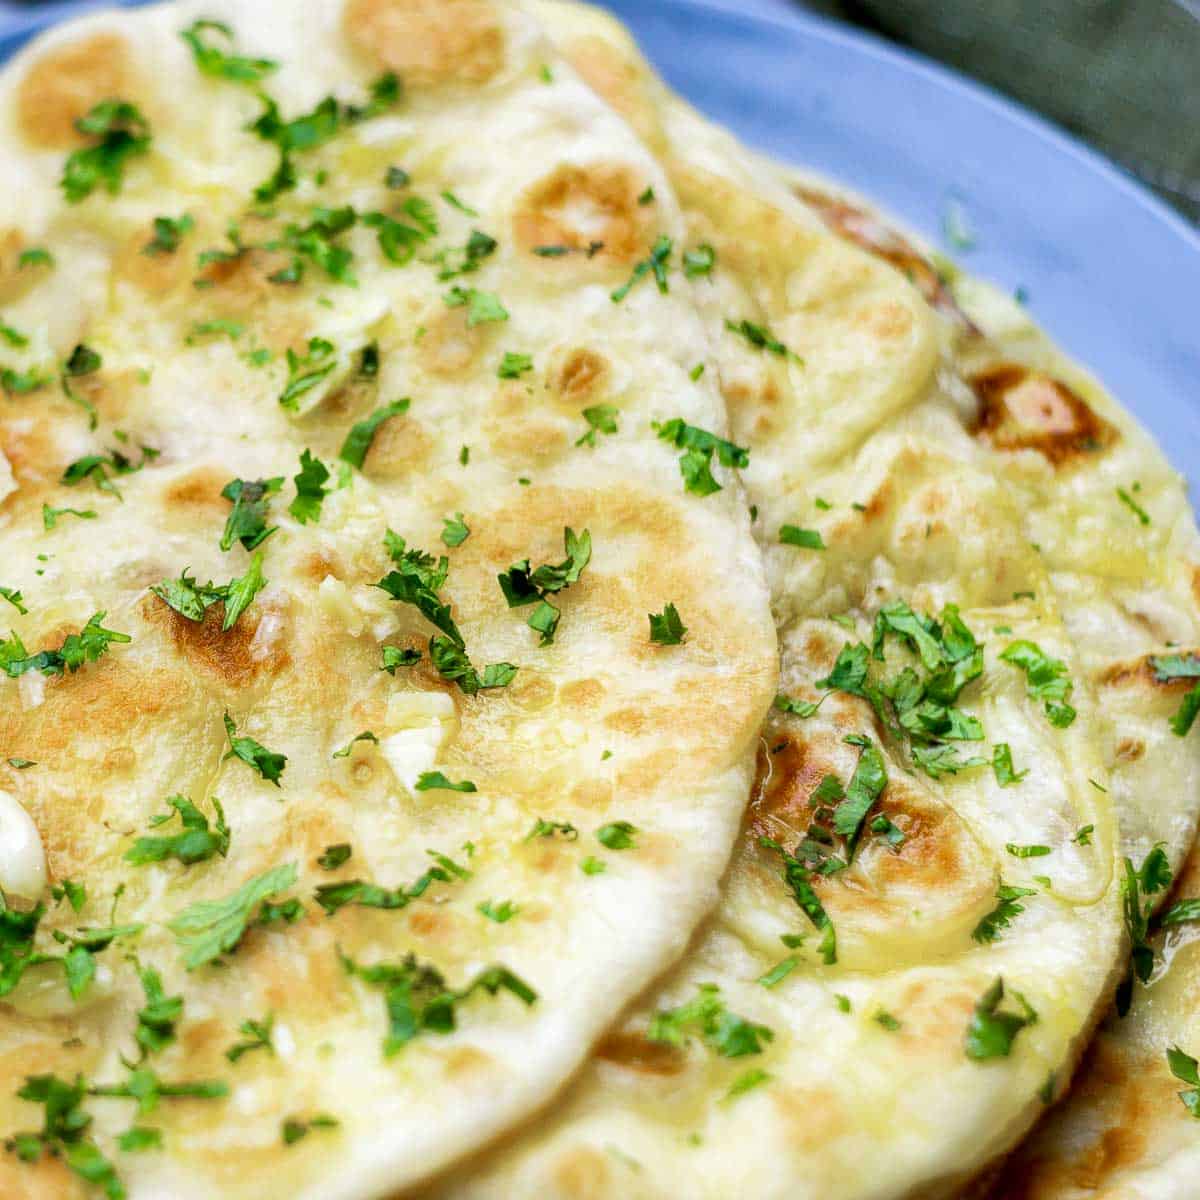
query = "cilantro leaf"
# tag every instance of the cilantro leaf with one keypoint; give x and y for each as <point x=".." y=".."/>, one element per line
<point x="865" y="788"/>
<point x="455" y="531"/>
<point x="168" y="233"/>
<point x="86" y="646"/>
<point x="218" y="62"/>
<point x="513" y="365"/>
<point x="418" y="999"/>
<point x="807" y="539"/>
<point x="247" y="522"/>
<point x="430" y="781"/>
<point x="618" y="835"/>
<point x="122" y="133"/>
<point x="706" y="1016"/>
<point x="1002" y="765"/>
<point x="1185" y="1068"/>
<point x="601" y="418"/>
<point x="256" y="1036"/>
<point x="1134" y="507"/>
<point x="366" y="736"/>
<point x="14" y="598"/>
<point x="656" y="263"/>
<point x="522" y="586"/>
<point x="399" y="240"/>
<point x="269" y="765"/>
<point x="799" y="881"/>
<point x="157" y="1019"/>
<point x="306" y="373"/>
<point x="395" y="657"/>
<point x="1008" y="908"/>
<point x="500" y="913"/>
<point x="209" y="928"/>
<point x="455" y="261"/>
<point x="196" y="843"/>
<point x="700" y="261"/>
<point x="992" y="1031"/>
<point x="699" y="446"/>
<point x="294" y="1128"/>
<point x="310" y="489"/>
<point x="667" y="628"/>
<point x="482" y="307"/>
<point x="241" y="591"/>
<point x="761" y="338"/>
<point x="1046" y="680"/>
<point x="362" y="434"/>
<point x="1154" y="875"/>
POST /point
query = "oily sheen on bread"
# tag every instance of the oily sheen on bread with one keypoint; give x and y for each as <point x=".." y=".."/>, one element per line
<point x="381" y="698"/>
<point x="829" y="1033"/>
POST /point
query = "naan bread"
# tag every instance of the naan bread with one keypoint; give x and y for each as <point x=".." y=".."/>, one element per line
<point x="1130" y="1128"/>
<point x="546" y="839"/>
<point x="851" y="1065"/>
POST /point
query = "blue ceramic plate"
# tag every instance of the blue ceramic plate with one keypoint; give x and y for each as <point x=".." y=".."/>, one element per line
<point x="1108" y="269"/>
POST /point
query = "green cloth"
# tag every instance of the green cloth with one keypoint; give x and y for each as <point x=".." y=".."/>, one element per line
<point x="1121" y="74"/>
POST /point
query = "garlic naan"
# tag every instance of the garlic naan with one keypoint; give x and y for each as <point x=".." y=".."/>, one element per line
<point x="915" y="937"/>
<point x="340" y="879"/>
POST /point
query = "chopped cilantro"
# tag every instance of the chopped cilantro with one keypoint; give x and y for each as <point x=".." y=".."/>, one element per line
<point x="779" y="972"/>
<point x="269" y="765"/>
<point x="365" y="736"/>
<point x="21" y="383"/>
<point x="647" y="197"/>
<point x="1180" y="666"/>
<point x="361" y="436"/>
<point x="1185" y="1068"/>
<point x="156" y="1021"/>
<point x="761" y="338"/>
<point x="514" y="365"/>
<point x="209" y="928"/>
<point x="666" y="627"/>
<point x="50" y="515"/>
<point x="310" y="489"/>
<point x="1083" y="836"/>
<point x="1046" y="680"/>
<point x="808" y="539"/>
<point x="454" y="261"/>
<point x="699" y="261"/>
<point x="295" y="1128"/>
<point x="1006" y="910"/>
<point x="1181" y="912"/>
<point x="601" y="418"/>
<point x="885" y="1020"/>
<point x="593" y="866"/>
<point x="334" y="856"/>
<point x="657" y="263"/>
<point x="1134" y="507"/>
<point x="992" y="1031"/>
<point x="482" y="307"/>
<point x="418" y="999"/>
<point x="14" y="337"/>
<point x="120" y="133"/>
<point x="1002" y="765"/>
<point x="35" y="256"/>
<point x="798" y="878"/>
<point x="706" y="1017"/>
<point x="522" y="586"/>
<point x="216" y="61"/>
<point x="397" y="178"/>
<point x="395" y="657"/>
<point x="698" y="446"/>
<point x="168" y="233"/>
<point x="14" y="598"/>
<point x="306" y="373"/>
<point x="1026" y="851"/>
<point x="247" y="522"/>
<point x="454" y="202"/>
<point x="86" y="646"/>
<point x="618" y="835"/>
<point x="196" y="843"/>
<point x="542" y="828"/>
<point x="500" y="913"/>
<point x="256" y="1035"/>
<point x="455" y="531"/>
<point x="430" y="781"/>
<point x="1154" y="875"/>
<point x="399" y="240"/>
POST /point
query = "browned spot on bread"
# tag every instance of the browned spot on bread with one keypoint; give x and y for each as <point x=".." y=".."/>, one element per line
<point x="15" y="280"/>
<point x="582" y="693"/>
<point x="449" y="344"/>
<point x="514" y="431"/>
<point x="1140" y="672"/>
<point x="199" y="492"/>
<point x="229" y="656"/>
<point x="400" y="447"/>
<point x="635" y="1052"/>
<point x="863" y="229"/>
<point x="582" y="1173"/>
<point x="428" y="42"/>
<point x="581" y="207"/>
<point x="619" y="79"/>
<point x="1022" y="409"/>
<point x="67" y="82"/>
<point x="155" y="274"/>
<point x="581" y="375"/>
<point x="1130" y="749"/>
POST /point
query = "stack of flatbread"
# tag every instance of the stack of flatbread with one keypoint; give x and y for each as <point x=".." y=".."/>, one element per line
<point x="548" y="656"/>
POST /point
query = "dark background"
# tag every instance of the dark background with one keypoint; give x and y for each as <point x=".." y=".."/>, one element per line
<point x="1123" y="75"/>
